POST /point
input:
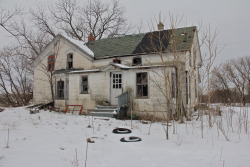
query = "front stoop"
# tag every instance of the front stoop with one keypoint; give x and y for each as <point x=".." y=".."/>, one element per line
<point x="104" y="111"/>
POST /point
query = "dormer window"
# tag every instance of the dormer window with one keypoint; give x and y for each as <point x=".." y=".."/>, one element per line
<point x="51" y="63"/>
<point x="137" y="61"/>
<point x="116" y="60"/>
<point x="69" y="60"/>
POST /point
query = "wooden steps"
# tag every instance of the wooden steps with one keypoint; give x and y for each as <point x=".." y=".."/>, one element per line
<point x="104" y="111"/>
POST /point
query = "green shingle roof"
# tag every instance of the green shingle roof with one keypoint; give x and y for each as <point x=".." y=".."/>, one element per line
<point x="65" y="71"/>
<point x="177" y="39"/>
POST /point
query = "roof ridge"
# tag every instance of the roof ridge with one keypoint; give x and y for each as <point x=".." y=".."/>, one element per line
<point x="139" y="34"/>
<point x="116" y="37"/>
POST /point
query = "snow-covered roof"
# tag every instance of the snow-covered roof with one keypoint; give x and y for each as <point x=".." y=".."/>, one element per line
<point x="80" y="44"/>
<point x="122" y="66"/>
<point x="84" y="71"/>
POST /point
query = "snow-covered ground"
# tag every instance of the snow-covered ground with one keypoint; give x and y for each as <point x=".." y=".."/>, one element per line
<point x="50" y="139"/>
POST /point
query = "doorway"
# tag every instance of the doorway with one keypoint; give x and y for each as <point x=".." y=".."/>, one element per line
<point x="115" y="87"/>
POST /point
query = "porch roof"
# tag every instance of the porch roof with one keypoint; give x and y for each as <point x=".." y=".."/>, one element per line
<point x="106" y="68"/>
<point x="65" y="71"/>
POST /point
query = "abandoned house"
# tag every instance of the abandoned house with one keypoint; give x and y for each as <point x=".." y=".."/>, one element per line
<point x="157" y="70"/>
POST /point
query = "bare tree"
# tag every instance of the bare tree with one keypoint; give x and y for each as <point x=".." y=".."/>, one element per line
<point x="211" y="51"/>
<point x="243" y="67"/>
<point x="105" y="20"/>
<point x="79" y="20"/>
<point x="15" y="78"/>
<point x="235" y="70"/>
<point x="42" y="20"/>
<point x="67" y="17"/>
<point x="65" y="14"/>
<point x="35" y="29"/>
<point x="168" y="78"/>
<point x="49" y="70"/>
<point x="220" y="82"/>
<point x="233" y="75"/>
<point x="7" y="16"/>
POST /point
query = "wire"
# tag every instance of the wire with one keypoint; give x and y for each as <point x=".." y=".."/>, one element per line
<point x="235" y="43"/>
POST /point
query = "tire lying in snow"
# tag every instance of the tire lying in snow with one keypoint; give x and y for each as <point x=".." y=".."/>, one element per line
<point x="130" y="139"/>
<point x="121" y="131"/>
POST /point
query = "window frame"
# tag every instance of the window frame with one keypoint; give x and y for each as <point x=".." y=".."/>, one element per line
<point x="194" y="57"/>
<point x="70" y="59"/>
<point x="173" y="84"/>
<point x="51" y="63"/>
<point x="60" y="94"/>
<point x="82" y="84"/>
<point x="137" y="64"/>
<point x="142" y="96"/>
<point x="187" y="87"/>
<point x="116" y="81"/>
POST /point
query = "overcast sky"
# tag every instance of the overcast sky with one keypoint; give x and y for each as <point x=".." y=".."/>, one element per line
<point x="230" y="17"/>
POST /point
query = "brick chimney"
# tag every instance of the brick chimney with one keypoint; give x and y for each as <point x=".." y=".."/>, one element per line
<point x="91" y="37"/>
<point x="160" y="26"/>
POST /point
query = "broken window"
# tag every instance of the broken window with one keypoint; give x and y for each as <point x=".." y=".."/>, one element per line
<point x="60" y="89"/>
<point x="116" y="60"/>
<point x="70" y="61"/>
<point x="117" y="81"/>
<point x="137" y="61"/>
<point x="84" y="85"/>
<point x="142" y="84"/>
<point x="51" y="63"/>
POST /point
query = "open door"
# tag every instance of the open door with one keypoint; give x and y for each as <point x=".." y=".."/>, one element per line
<point x="115" y="87"/>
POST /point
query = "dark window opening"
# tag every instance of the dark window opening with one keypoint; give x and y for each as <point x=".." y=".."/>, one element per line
<point x="116" y="60"/>
<point x="60" y="89"/>
<point x="117" y="81"/>
<point x="51" y="63"/>
<point x="195" y="58"/>
<point x="84" y="85"/>
<point x="137" y="61"/>
<point x="173" y="84"/>
<point x="195" y="87"/>
<point x="70" y="60"/>
<point x="187" y="90"/>
<point x="189" y="84"/>
<point x="142" y="84"/>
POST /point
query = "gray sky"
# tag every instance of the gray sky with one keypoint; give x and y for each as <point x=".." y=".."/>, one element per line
<point x="230" y="17"/>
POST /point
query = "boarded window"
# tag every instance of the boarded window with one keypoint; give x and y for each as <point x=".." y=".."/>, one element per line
<point x="142" y="84"/>
<point x="60" y="89"/>
<point x="137" y="61"/>
<point x="84" y="85"/>
<point x="117" y="81"/>
<point x="51" y="63"/>
<point x="70" y="61"/>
